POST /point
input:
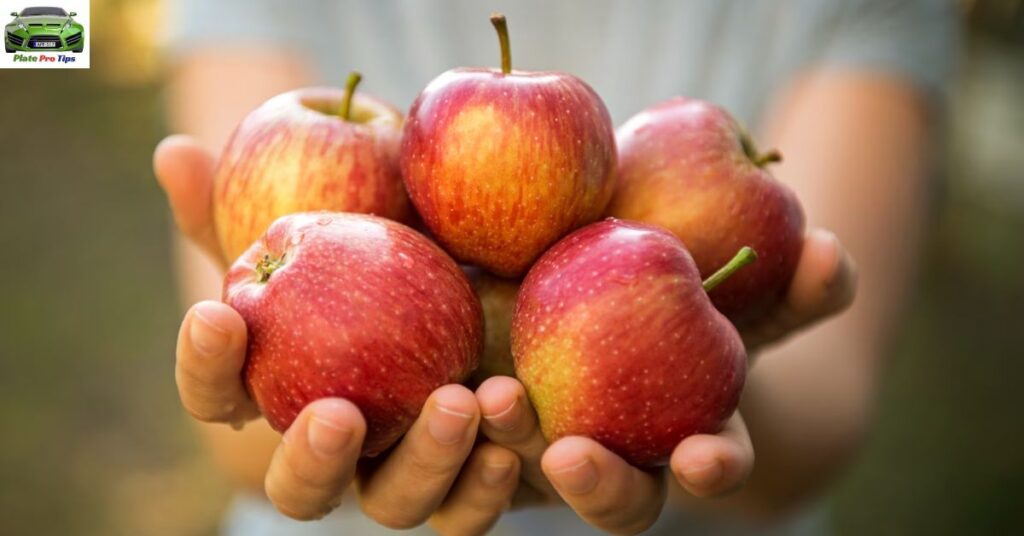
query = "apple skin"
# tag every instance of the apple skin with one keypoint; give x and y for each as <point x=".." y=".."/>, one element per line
<point x="500" y="166"/>
<point x="295" y="154"/>
<point x="498" y="300"/>
<point x="615" y="339"/>
<point x="361" y="308"/>
<point x="686" y="165"/>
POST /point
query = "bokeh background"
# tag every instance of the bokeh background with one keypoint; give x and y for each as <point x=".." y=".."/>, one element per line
<point x="94" y="442"/>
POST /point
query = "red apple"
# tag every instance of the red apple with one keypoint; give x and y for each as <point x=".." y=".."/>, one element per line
<point x="352" y="306"/>
<point x="686" y="165"/>
<point x="615" y="339"/>
<point x="501" y="164"/>
<point x="315" y="148"/>
<point x="498" y="299"/>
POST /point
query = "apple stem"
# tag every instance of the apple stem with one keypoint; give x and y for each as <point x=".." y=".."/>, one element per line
<point x="266" y="266"/>
<point x="759" y="159"/>
<point x="771" y="157"/>
<point x="501" y="26"/>
<point x="350" y="89"/>
<point x="744" y="256"/>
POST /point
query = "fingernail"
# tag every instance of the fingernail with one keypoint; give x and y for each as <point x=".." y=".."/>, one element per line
<point x="705" y="475"/>
<point x="493" y="475"/>
<point x="447" y="425"/>
<point x="327" y="436"/>
<point x="576" y="479"/>
<point x="830" y="237"/>
<point x="208" y="339"/>
<point x="502" y="420"/>
<point x="827" y="236"/>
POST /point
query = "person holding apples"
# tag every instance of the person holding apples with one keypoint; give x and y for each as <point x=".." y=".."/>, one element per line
<point x="848" y="92"/>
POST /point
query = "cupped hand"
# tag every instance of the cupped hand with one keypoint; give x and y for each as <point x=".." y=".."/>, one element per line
<point x="600" y="486"/>
<point x="823" y="285"/>
<point x="603" y="488"/>
<point x="436" y="473"/>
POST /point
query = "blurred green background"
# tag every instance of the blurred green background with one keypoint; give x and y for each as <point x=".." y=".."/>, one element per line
<point x="95" y="442"/>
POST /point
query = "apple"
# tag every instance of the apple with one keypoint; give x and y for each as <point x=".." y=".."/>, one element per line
<point x="316" y="148"/>
<point x="501" y="164"/>
<point x="686" y="165"/>
<point x="352" y="306"/>
<point x="498" y="299"/>
<point x="614" y="338"/>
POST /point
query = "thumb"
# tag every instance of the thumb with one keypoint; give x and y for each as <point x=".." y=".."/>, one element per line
<point x="184" y="169"/>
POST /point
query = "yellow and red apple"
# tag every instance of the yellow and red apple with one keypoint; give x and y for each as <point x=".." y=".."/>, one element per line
<point x="614" y="338"/>
<point x="316" y="148"/>
<point x="501" y="163"/>
<point x="687" y="165"/>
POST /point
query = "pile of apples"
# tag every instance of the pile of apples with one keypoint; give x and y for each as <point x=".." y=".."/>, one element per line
<point x="350" y="225"/>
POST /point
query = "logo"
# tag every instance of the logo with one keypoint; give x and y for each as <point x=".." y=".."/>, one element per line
<point x="46" y="36"/>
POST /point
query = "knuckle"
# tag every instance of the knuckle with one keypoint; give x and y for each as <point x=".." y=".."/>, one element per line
<point x="285" y="503"/>
<point x="625" y="515"/>
<point x="520" y="434"/>
<point x="297" y="513"/>
<point x="323" y="482"/>
<point x="391" y="517"/>
<point x="297" y="502"/>
<point x="203" y="404"/>
<point x="637" y="526"/>
<point x="433" y="468"/>
<point x="615" y="521"/>
<point x="605" y="513"/>
<point x="449" y="525"/>
<point x="202" y="413"/>
<point x="195" y="379"/>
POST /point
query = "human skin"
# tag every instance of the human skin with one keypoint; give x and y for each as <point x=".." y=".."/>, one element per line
<point x="807" y="402"/>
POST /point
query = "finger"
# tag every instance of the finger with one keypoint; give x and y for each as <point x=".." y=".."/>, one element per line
<point x="316" y="459"/>
<point x="185" y="171"/>
<point x="711" y="465"/>
<point x="210" y="356"/>
<point x="509" y="421"/>
<point x="482" y="492"/>
<point x="602" y="488"/>
<point x="824" y="284"/>
<point x="411" y="482"/>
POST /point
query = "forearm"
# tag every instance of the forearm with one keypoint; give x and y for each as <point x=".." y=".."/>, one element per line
<point x="805" y="430"/>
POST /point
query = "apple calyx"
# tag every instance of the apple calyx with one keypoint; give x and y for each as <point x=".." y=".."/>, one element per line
<point x="501" y="26"/>
<point x="746" y="255"/>
<point x="354" y="78"/>
<point x="759" y="159"/>
<point x="266" y="266"/>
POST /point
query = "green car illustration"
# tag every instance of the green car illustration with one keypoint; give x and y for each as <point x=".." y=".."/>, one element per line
<point x="39" y="29"/>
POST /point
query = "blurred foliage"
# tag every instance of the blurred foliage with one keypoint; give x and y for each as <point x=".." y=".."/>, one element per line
<point x="94" y="439"/>
<point x="947" y="452"/>
<point x="95" y="442"/>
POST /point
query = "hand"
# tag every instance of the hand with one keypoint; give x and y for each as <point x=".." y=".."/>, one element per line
<point x="435" y="473"/>
<point x="600" y="486"/>
<point x="823" y="285"/>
